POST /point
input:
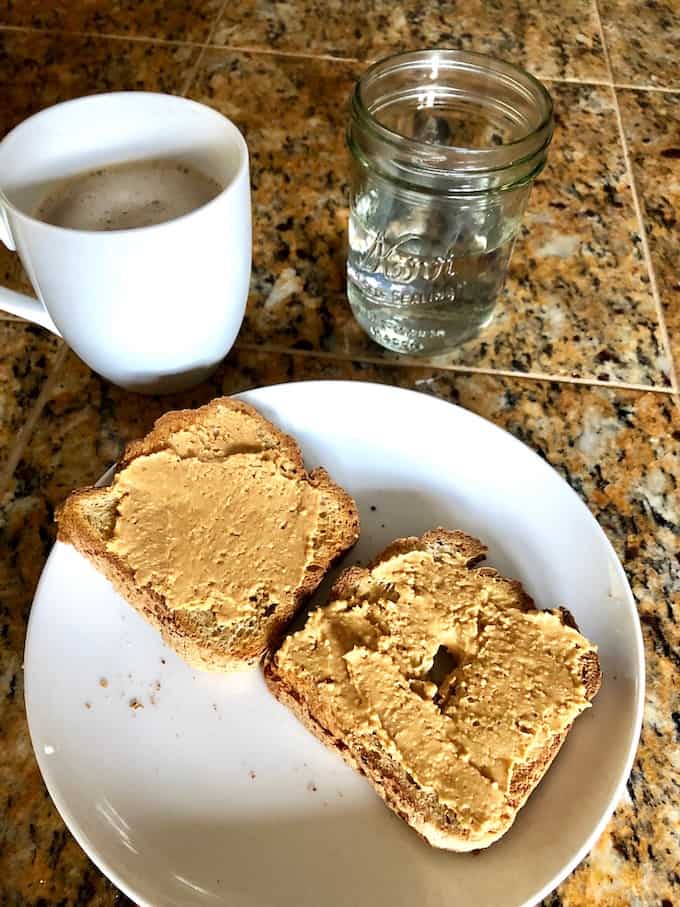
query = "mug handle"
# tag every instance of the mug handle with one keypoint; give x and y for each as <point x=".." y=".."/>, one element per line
<point x="17" y="303"/>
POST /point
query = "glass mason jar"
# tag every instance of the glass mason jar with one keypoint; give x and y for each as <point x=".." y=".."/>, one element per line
<point x="445" y="147"/>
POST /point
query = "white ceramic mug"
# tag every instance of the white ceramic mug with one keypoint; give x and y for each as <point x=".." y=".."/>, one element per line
<point x="156" y="308"/>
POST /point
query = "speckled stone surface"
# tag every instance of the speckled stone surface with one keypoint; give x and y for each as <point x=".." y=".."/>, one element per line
<point x="41" y="69"/>
<point x="554" y="39"/>
<point x="172" y="20"/>
<point x="619" y="451"/>
<point x="27" y="355"/>
<point x="651" y="121"/>
<point x="643" y="41"/>
<point x="578" y="303"/>
<point x="577" y="300"/>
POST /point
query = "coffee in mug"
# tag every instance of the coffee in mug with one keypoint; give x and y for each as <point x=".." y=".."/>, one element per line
<point x="126" y="196"/>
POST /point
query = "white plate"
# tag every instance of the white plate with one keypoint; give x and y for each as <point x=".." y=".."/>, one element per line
<point x="213" y="793"/>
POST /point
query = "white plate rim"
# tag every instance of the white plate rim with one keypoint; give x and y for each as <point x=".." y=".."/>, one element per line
<point x="111" y="873"/>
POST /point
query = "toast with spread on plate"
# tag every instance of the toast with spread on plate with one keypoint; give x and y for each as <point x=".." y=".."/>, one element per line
<point x="214" y="531"/>
<point x="441" y="682"/>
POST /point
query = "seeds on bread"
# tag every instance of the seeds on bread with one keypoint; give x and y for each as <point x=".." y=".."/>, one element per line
<point x="214" y="531"/>
<point x="441" y="682"/>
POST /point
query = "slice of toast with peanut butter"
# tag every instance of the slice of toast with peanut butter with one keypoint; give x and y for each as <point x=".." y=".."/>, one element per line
<point x="213" y="530"/>
<point x="441" y="682"/>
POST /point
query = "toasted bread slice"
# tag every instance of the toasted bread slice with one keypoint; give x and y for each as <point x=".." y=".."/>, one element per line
<point x="441" y="682"/>
<point x="213" y="530"/>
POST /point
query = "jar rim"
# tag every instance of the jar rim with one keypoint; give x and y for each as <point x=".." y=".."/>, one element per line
<point x="459" y="157"/>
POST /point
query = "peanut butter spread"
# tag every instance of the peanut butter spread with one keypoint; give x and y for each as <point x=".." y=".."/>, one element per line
<point x="370" y="665"/>
<point x="216" y="522"/>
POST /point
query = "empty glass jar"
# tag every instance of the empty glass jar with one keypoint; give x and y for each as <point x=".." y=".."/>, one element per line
<point x="445" y="146"/>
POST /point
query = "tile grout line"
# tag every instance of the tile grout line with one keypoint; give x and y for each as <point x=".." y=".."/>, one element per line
<point x="290" y="54"/>
<point x="104" y="36"/>
<point x="169" y="42"/>
<point x="456" y="369"/>
<point x="665" y="339"/>
<point x="405" y="362"/>
<point x="631" y="87"/>
<point x="566" y="80"/>
<point x="25" y="433"/>
<point x="199" y="59"/>
<point x="299" y="54"/>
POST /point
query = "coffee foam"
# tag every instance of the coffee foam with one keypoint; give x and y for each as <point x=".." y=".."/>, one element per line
<point x="127" y="196"/>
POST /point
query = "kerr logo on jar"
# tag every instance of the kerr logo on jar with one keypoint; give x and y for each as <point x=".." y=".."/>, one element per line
<point x="395" y="262"/>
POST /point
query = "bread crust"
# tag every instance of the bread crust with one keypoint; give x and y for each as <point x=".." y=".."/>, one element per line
<point x="420" y="809"/>
<point x="88" y="514"/>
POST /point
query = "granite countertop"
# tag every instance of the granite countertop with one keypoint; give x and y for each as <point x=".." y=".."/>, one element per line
<point x="581" y="363"/>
